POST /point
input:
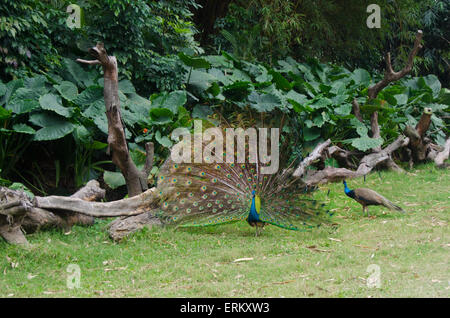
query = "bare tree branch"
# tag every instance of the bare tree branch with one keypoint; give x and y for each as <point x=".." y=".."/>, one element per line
<point x="314" y="155"/>
<point x="117" y="143"/>
<point x="356" y="110"/>
<point x="390" y="75"/>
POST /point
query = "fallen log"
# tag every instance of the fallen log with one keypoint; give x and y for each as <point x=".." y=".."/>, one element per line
<point x="367" y="164"/>
<point x="126" y="207"/>
<point x="344" y="157"/>
<point x="330" y="174"/>
<point x="13" y="207"/>
<point x="443" y="155"/>
<point x="122" y="227"/>
<point x="418" y="145"/>
<point x="313" y="156"/>
<point x="37" y="218"/>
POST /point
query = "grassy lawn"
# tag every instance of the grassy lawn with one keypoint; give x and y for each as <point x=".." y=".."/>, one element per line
<point x="412" y="251"/>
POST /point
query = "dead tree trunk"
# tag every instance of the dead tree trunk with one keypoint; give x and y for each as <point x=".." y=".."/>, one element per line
<point x="443" y="155"/>
<point x="136" y="180"/>
<point x="18" y="213"/>
<point x="38" y="218"/>
<point x="13" y="207"/>
<point x="373" y="91"/>
<point x="419" y="146"/>
<point x="330" y="174"/>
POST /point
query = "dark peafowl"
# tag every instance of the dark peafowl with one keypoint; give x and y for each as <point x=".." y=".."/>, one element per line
<point x="206" y="194"/>
<point x="367" y="197"/>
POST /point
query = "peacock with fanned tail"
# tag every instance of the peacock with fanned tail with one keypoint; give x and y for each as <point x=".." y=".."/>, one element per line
<point x="206" y="194"/>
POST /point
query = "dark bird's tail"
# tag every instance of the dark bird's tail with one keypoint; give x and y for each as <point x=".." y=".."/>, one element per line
<point x="391" y="205"/>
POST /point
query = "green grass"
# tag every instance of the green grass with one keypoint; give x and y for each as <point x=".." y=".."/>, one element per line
<point x="411" y="250"/>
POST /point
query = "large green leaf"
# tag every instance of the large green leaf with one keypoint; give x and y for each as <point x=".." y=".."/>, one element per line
<point x="4" y="113"/>
<point x="161" y="116"/>
<point x="432" y="82"/>
<point x="237" y="91"/>
<point x="200" y="80"/>
<point x="78" y="74"/>
<point x="322" y="102"/>
<point x="114" y="179"/>
<point x="172" y="100"/>
<point x="361" y="77"/>
<point x="89" y="95"/>
<point x="2" y="89"/>
<point x="53" y="103"/>
<point x="220" y="76"/>
<point x="163" y="140"/>
<point x="53" y="126"/>
<point x="24" y="129"/>
<point x="22" y="106"/>
<point x="239" y="76"/>
<point x="195" y="62"/>
<point x="366" y="143"/>
<point x="23" y="100"/>
<point x="402" y="99"/>
<point x="218" y="61"/>
<point x="296" y="97"/>
<point x="343" y="109"/>
<point x="82" y="135"/>
<point x="201" y="111"/>
<point x="280" y="81"/>
<point x="126" y="87"/>
<point x="96" y="112"/>
<point x="338" y="88"/>
<point x="264" y="102"/>
<point x="68" y="90"/>
<point x="11" y="87"/>
<point x="310" y="134"/>
<point x="36" y="83"/>
<point x="444" y="96"/>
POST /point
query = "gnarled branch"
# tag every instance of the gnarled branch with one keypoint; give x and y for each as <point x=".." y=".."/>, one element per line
<point x="117" y="143"/>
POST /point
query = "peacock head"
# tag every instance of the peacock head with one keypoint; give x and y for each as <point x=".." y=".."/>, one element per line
<point x="253" y="193"/>
<point x="344" y="182"/>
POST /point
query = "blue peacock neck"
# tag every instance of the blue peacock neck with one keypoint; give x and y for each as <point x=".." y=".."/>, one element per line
<point x="347" y="191"/>
<point x="253" y="215"/>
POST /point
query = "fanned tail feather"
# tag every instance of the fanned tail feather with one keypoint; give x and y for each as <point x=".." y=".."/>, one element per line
<point x="205" y="194"/>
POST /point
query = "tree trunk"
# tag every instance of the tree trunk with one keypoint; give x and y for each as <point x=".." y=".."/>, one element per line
<point x="117" y="144"/>
<point x="443" y="155"/>
<point x="13" y="207"/>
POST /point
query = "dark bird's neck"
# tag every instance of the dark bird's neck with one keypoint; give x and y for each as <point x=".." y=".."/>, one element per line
<point x="253" y="214"/>
<point x="348" y="192"/>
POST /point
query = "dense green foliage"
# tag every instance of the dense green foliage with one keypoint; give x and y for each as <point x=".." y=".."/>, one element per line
<point x="143" y="35"/>
<point x="303" y="61"/>
<point x="336" y="31"/>
<point x="319" y="94"/>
